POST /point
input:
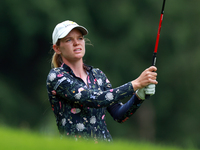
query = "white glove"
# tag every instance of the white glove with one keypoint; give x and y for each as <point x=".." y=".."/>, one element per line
<point x="148" y="90"/>
<point x="141" y="93"/>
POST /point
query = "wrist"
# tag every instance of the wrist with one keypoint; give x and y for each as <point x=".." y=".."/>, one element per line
<point x="138" y="96"/>
<point x="140" y="93"/>
<point x="135" y="85"/>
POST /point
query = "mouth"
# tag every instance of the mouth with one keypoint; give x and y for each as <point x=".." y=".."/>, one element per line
<point x="77" y="50"/>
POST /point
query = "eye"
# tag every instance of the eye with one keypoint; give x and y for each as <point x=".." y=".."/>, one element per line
<point x="68" y="40"/>
<point x="80" y="38"/>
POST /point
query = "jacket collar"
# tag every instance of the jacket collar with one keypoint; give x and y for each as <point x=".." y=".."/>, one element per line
<point x="68" y="69"/>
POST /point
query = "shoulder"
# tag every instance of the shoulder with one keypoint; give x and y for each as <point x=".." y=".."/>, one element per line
<point x="101" y="77"/>
<point x="54" y="73"/>
<point x="97" y="71"/>
<point x="99" y="74"/>
<point x="57" y="76"/>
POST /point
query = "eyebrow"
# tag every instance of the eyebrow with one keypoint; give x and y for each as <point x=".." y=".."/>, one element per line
<point x="71" y="37"/>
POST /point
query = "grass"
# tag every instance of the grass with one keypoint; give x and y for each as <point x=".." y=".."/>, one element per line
<point x="15" y="139"/>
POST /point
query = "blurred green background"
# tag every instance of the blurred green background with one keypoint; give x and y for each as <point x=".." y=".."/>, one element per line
<point x="123" y="35"/>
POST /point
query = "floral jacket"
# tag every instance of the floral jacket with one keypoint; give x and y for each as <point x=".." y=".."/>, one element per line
<point x="80" y="109"/>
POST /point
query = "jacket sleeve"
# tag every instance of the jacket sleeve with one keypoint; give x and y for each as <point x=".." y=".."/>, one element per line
<point x="121" y="112"/>
<point x="66" y="87"/>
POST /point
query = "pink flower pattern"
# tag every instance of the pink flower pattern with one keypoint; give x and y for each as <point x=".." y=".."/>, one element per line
<point x="59" y="75"/>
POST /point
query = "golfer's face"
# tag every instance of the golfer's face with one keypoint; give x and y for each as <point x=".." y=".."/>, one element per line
<point x="72" y="47"/>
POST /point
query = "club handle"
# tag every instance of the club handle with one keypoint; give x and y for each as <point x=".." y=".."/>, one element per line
<point x="154" y="59"/>
<point x="147" y="96"/>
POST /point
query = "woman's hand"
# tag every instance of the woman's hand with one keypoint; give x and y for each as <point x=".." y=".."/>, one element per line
<point x="147" y="77"/>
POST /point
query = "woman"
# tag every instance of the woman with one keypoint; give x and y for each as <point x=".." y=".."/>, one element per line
<point x="80" y="95"/>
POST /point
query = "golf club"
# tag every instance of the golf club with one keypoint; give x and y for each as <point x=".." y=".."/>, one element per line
<point x="157" y="39"/>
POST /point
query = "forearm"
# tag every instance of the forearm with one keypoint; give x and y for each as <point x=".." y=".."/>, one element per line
<point x="121" y="113"/>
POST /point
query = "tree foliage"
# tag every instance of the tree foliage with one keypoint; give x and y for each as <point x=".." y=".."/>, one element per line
<point x="123" y="35"/>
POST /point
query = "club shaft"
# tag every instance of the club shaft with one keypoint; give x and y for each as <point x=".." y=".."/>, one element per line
<point x="158" y="35"/>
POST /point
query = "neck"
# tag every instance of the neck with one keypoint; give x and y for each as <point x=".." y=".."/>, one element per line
<point x="77" y="67"/>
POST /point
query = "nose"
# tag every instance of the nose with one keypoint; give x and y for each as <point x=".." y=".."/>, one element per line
<point x="76" y="42"/>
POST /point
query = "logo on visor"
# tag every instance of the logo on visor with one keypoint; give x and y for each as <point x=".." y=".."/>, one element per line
<point x="68" y="23"/>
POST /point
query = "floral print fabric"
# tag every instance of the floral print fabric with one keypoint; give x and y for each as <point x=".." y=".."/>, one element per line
<point x="80" y="108"/>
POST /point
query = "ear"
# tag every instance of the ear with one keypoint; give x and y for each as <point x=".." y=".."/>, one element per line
<point x="56" y="49"/>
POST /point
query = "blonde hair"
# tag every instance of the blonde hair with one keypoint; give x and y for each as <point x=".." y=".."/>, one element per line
<point x="57" y="59"/>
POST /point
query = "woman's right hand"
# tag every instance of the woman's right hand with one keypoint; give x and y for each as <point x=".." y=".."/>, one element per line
<point x="147" y="77"/>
